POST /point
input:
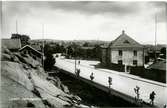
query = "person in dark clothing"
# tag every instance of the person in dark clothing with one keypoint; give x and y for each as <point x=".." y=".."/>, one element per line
<point x="109" y="81"/>
<point x="152" y="97"/>
<point x="92" y="76"/>
<point x="137" y="92"/>
<point x="78" y="72"/>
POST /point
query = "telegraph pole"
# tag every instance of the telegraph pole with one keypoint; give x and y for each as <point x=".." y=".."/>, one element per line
<point x="75" y="58"/>
<point x="75" y="63"/>
<point x="155" y="36"/>
<point x="16" y="27"/>
<point x="43" y="44"/>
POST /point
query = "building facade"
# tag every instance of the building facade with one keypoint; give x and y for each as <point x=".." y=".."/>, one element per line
<point x="123" y="51"/>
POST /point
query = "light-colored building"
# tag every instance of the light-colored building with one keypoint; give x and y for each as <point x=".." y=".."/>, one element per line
<point x="123" y="51"/>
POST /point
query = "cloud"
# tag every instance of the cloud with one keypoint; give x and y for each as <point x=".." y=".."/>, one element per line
<point x="84" y="20"/>
<point x="84" y="7"/>
<point x="115" y="9"/>
<point x="100" y="7"/>
<point x="0" y="17"/>
<point x="160" y="11"/>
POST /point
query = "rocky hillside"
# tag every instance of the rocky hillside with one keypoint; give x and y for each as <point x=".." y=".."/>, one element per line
<point x="25" y="84"/>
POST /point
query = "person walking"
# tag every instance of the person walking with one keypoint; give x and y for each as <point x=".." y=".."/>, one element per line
<point x="91" y="76"/>
<point x="78" y="72"/>
<point x="152" y="97"/>
<point x="110" y="83"/>
<point x="137" y="92"/>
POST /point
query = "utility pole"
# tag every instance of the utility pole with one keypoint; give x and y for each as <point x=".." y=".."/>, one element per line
<point x="75" y="63"/>
<point x="75" y="58"/>
<point x="155" y="36"/>
<point x="43" y="44"/>
<point x="16" y="27"/>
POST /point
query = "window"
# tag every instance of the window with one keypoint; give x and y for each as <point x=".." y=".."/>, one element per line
<point x="120" y="52"/>
<point x="25" y="52"/>
<point x="135" y="53"/>
<point x="126" y="41"/>
<point x="120" y="62"/>
<point x="135" y="62"/>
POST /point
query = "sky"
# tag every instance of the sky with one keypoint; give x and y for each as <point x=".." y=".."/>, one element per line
<point x="85" y="20"/>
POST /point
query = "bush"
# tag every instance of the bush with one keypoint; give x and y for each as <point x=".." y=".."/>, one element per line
<point x="49" y="62"/>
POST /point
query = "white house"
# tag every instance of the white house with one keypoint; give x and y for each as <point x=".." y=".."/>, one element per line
<point x="123" y="51"/>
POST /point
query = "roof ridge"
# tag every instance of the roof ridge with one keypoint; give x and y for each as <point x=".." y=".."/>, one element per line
<point x="31" y="48"/>
<point x="134" y="42"/>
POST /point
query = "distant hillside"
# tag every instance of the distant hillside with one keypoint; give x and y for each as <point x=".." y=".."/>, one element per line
<point x="68" y="42"/>
<point x="88" y="42"/>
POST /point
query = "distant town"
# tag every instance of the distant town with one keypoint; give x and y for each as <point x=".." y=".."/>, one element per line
<point x="126" y="53"/>
<point x="99" y="59"/>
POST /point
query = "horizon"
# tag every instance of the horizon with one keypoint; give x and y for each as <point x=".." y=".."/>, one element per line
<point x="144" y="43"/>
<point x="97" y="40"/>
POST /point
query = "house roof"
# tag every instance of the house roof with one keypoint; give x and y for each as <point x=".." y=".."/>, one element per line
<point x="37" y="47"/>
<point x="159" y="65"/>
<point x="125" y="41"/>
<point x="11" y="43"/>
<point x="28" y="46"/>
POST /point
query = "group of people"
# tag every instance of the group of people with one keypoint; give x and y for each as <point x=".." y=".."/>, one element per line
<point x="109" y="79"/>
<point x="151" y="97"/>
<point x="136" y="89"/>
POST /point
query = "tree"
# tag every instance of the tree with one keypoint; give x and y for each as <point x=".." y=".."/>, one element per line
<point x="23" y="38"/>
<point x="163" y="51"/>
<point x="97" y="52"/>
<point x="70" y="51"/>
<point x="49" y="59"/>
<point x="86" y="44"/>
<point x="49" y="62"/>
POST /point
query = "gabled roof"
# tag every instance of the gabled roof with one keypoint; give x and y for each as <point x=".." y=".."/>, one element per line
<point x="11" y="44"/>
<point x="28" y="46"/>
<point x="37" y="47"/>
<point x="125" y="41"/>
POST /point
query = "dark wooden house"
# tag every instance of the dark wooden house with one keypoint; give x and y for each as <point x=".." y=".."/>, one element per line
<point x="27" y="49"/>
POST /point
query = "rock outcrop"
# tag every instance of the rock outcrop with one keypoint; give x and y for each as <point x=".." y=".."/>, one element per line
<point x="24" y="83"/>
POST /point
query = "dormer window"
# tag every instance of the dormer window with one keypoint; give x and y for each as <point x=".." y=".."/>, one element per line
<point x="126" y="41"/>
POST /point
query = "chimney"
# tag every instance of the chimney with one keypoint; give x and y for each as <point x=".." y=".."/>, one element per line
<point x="123" y="32"/>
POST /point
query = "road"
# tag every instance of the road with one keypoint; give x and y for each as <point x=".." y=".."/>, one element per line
<point x="121" y="82"/>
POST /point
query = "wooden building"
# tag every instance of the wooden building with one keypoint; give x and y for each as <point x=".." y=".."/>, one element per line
<point x="27" y="49"/>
